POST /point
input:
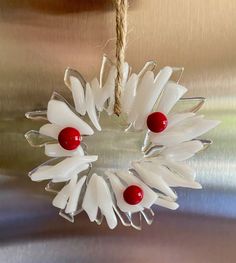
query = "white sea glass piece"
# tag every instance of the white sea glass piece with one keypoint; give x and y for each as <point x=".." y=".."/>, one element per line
<point x="187" y="130"/>
<point x="60" y="114"/>
<point x="64" y="168"/>
<point x="153" y="179"/>
<point x="166" y="203"/>
<point x="74" y="197"/>
<point x="51" y="130"/>
<point x="108" y="89"/>
<point x="78" y="95"/>
<point x="183" y="151"/>
<point x="55" y="150"/>
<point x="144" y="89"/>
<point x="171" y="94"/>
<point x="62" y="197"/>
<point x="148" y="95"/>
<point x="105" y="202"/>
<point x="129" y="93"/>
<point x="90" y="202"/>
<point x="91" y="107"/>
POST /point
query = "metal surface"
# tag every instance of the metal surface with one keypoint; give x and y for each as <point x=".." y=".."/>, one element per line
<point x="38" y="40"/>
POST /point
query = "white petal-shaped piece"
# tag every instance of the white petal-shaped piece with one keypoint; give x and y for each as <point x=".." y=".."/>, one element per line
<point x="62" y="197"/>
<point x="174" y="119"/>
<point x="149" y="96"/>
<point x="153" y="179"/>
<point x="78" y="95"/>
<point x="90" y="202"/>
<point x="129" y="93"/>
<point x="91" y="107"/>
<point x="174" y="174"/>
<point x="51" y="130"/>
<point x="149" y="196"/>
<point x="60" y="114"/>
<point x="64" y="168"/>
<point x="73" y="200"/>
<point x="166" y="203"/>
<point x="96" y="90"/>
<point x="55" y="150"/>
<point x="105" y="203"/>
<point x="172" y="92"/>
<point x="107" y="90"/>
<point x="183" y="151"/>
<point x="118" y="189"/>
<point x="68" y="177"/>
<point x="187" y="130"/>
<point x="145" y="88"/>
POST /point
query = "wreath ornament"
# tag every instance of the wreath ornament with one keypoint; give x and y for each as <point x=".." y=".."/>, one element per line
<point x="153" y="109"/>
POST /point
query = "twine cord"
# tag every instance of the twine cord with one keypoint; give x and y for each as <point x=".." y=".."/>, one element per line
<point x="121" y="32"/>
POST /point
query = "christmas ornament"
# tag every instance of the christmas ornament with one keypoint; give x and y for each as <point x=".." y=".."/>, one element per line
<point x="144" y="105"/>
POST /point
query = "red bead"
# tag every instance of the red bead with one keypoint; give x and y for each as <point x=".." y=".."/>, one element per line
<point x="133" y="195"/>
<point x="157" y="122"/>
<point x="69" y="138"/>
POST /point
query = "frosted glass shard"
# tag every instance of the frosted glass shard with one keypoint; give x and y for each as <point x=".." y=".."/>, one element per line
<point x="172" y="92"/>
<point x="129" y="93"/>
<point x="183" y="151"/>
<point x="50" y="130"/>
<point x="91" y="109"/>
<point x="78" y="95"/>
<point x="45" y="165"/>
<point x="64" y="169"/>
<point x="60" y="114"/>
<point x="55" y="150"/>
<point x="166" y="203"/>
<point x="105" y="203"/>
<point x="68" y="217"/>
<point x="153" y="179"/>
<point x="35" y="139"/>
<point x="107" y="91"/>
<point x="56" y="96"/>
<point x="74" y="198"/>
<point x="148" y="215"/>
<point x="147" y="96"/>
<point x="144" y="91"/>
<point x="136" y="220"/>
<point x="189" y="104"/>
<point x="69" y="72"/>
<point x="90" y="203"/>
<point x="36" y="115"/>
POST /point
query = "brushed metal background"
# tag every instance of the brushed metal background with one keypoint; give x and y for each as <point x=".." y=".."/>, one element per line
<point x="38" y="40"/>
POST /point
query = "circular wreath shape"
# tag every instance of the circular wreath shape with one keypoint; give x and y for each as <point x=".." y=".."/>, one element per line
<point x="152" y="109"/>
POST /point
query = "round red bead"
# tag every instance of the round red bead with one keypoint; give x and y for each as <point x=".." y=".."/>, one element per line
<point x="133" y="195"/>
<point x="157" y="122"/>
<point x="69" y="138"/>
